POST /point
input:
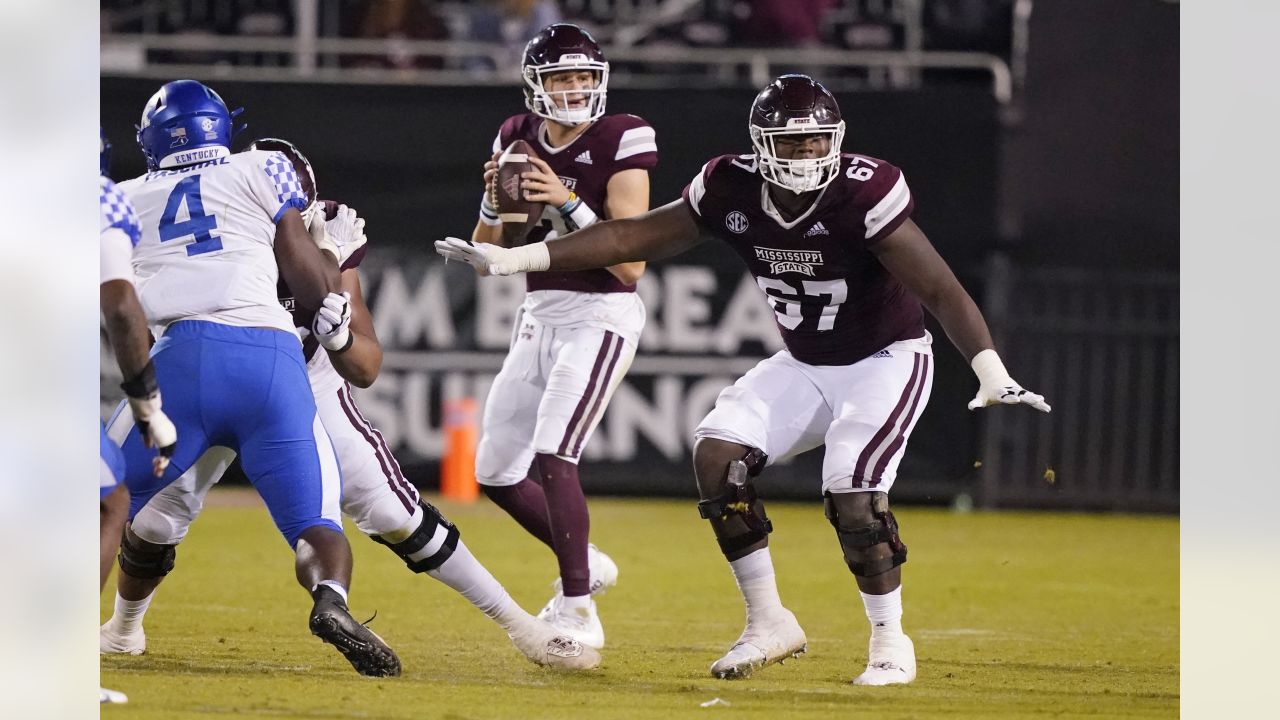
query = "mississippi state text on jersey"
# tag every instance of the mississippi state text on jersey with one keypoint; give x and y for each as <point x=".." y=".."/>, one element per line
<point x="208" y="230"/>
<point x="612" y="144"/>
<point x="834" y="302"/>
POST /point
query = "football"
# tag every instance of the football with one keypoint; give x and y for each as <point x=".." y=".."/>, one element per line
<point x="518" y="215"/>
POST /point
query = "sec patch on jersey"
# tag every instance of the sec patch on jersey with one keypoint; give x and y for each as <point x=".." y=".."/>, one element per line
<point x="518" y="215"/>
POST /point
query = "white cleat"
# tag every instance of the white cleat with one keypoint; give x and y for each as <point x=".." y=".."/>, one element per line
<point x="107" y="697"/>
<point x="581" y="624"/>
<point x="763" y="642"/>
<point x="547" y="646"/>
<point x="602" y="574"/>
<point x="891" y="661"/>
<point x="112" y="642"/>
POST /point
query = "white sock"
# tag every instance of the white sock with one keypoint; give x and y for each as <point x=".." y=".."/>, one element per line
<point x="884" y="612"/>
<point x="128" y="614"/>
<point x="576" y="602"/>
<point x="335" y="586"/>
<point x="464" y="573"/>
<point x="756" y="580"/>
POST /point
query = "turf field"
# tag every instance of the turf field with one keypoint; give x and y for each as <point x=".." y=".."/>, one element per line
<point x="1013" y="615"/>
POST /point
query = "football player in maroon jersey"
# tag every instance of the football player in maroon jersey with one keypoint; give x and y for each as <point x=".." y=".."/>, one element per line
<point x="577" y="331"/>
<point x="829" y="239"/>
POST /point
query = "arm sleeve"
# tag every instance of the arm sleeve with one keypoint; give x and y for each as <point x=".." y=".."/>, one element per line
<point x="120" y="233"/>
<point x="695" y="193"/>
<point x="275" y="185"/>
<point x="893" y="204"/>
<point x="116" y="259"/>
<point x="637" y="147"/>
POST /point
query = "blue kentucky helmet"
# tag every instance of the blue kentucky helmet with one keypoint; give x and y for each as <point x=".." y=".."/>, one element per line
<point x="185" y="122"/>
<point x="104" y="153"/>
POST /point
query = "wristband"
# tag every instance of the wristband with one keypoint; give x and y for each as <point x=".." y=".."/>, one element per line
<point x="351" y="340"/>
<point x="533" y="257"/>
<point x="144" y="385"/>
<point x="989" y="369"/>
<point x="488" y="213"/>
<point x="569" y="204"/>
<point x="576" y="213"/>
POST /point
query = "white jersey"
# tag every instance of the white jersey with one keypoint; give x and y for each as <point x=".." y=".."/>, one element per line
<point x="119" y="233"/>
<point x="208" y="235"/>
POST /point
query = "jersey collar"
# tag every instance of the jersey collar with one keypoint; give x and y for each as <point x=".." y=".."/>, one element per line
<point x="766" y="204"/>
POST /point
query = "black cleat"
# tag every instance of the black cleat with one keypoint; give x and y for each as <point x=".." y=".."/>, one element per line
<point x="332" y="623"/>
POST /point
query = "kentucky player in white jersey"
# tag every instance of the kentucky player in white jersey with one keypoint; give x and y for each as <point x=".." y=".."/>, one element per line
<point x="576" y="333"/>
<point x="829" y="239"/>
<point x="126" y="328"/>
<point x="217" y="232"/>
<point x="342" y="349"/>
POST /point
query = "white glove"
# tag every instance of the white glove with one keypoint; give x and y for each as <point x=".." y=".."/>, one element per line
<point x="995" y="386"/>
<point x="313" y="218"/>
<point x="346" y="232"/>
<point x="490" y="259"/>
<point x="332" y="326"/>
<point x="156" y="428"/>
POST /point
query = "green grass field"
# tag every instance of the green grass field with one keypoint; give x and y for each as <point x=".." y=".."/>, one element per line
<point x="1012" y="614"/>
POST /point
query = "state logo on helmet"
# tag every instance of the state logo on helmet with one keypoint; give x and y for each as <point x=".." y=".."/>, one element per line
<point x="185" y="122"/>
<point x="558" y="48"/>
<point x="796" y="105"/>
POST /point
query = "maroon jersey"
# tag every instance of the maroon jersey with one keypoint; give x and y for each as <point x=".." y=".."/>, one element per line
<point x="612" y="144"/>
<point x="302" y="318"/>
<point x="834" y="302"/>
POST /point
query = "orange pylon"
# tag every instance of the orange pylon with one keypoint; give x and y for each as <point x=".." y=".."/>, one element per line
<point x="458" y="465"/>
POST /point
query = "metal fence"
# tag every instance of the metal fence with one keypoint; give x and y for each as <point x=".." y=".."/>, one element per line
<point x="1103" y="348"/>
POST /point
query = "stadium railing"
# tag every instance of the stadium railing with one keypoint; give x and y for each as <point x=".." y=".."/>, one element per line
<point x="135" y="55"/>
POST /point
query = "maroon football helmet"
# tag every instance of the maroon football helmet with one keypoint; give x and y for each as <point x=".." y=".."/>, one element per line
<point x="559" y="48"/>
<point x="796" y="105"/>
<point x="301" y="165"/>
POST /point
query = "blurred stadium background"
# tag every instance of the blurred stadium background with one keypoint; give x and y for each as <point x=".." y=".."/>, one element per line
<point x="1040" y="138"/>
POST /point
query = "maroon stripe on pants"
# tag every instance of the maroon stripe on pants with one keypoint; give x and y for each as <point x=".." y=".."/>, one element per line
<point x="860" y="469"/>
<point x="906" y="423"/>
<point x="407" y="486"/>
<point x="604" y="389"/>
<point x="581" y="409"/>
<point x="347" y="406"/>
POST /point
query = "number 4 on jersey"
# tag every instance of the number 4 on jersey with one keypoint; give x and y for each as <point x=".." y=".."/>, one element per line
<point x="197" y="223"/>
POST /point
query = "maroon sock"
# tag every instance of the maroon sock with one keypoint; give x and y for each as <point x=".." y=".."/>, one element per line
<point x="567" y="507"/>
<point x="525" y="502"/>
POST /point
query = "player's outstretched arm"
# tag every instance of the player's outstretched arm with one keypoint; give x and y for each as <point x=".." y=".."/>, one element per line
<point x="912" y="259"/>
<point x="126" y="327"/>
<point x="657" y="234"/>
<point x="345" y="329"/>
<point x="309" y="273"/>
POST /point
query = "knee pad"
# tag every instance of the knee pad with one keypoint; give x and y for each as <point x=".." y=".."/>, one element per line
<point x="867" y="531"/>
<point x="737" y="517"/>
<point x="142" y="559"/>
<point x="428" y="547"/>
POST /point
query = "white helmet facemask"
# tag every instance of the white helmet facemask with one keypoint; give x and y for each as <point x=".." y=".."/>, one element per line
<point x="555" y="105"/>
<point x="801" y="174"/>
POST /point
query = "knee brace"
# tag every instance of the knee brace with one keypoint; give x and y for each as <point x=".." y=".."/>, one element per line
<point x="428" y="547"/>
<point x="142" y="559"/>
<point x="737" y="517"/>
<point x="867" y="531"/>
